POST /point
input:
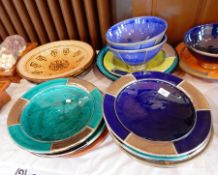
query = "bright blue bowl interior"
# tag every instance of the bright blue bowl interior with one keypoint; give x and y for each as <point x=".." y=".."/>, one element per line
<point x="136" y="29"/>
<point x="203" y="38"/>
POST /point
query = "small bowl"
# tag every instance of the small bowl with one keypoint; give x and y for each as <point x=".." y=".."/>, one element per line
<point x="202" y="41"/>
<point x="139" y="56"/>
<point x="136" y="33"/>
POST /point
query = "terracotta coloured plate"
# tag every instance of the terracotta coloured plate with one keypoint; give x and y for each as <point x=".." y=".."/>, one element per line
<point x="56" y="59"/>
<point x="195" y="66"/>
<point x="4" y="97"/>
<point x="165" y="61"/>
<point x="55" y="115"/>
<point x="157" y="113"/>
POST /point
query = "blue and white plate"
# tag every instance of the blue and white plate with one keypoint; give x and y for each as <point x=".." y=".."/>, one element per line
<point x="157" y="114"/>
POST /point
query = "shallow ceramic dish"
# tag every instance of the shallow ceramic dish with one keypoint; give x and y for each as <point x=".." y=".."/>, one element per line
<point x="140" y="56"/>
<point x="171" y="160"/>
<point x="168" y="116"/>
<point x="55" y="115"/>
<point x="89" y="144"/>
<point x="203" y="41"/>
<point x="192" y="65"/>
<point x="55" y="60"/>
<point x="162" y="162"/>
<point x="136" y="33"/>
<point x="165" y="61"/>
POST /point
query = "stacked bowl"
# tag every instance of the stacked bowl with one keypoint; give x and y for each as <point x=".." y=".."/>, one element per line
<point x="137" y="40"/>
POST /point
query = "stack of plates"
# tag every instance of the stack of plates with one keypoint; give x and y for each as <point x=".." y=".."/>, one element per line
<point x="165" y="61"/>
<point x="58" y="118"/>
<point x="157" y="117"/>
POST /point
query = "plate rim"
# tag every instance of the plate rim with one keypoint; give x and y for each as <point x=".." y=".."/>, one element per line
<point x="53" y="146"/>
<point x="23" y="73"/>
<point x="128" y="79"/>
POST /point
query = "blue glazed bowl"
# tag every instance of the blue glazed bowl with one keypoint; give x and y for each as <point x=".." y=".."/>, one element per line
<point x="202" y="41"/>
<point x="139" y="56"/>
<point x="136" y="33"/>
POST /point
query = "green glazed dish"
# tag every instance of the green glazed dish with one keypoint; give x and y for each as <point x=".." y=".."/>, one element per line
<point x="55" y="115"/>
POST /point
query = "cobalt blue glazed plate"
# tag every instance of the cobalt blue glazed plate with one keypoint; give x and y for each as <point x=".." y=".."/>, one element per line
<point x="55" y="115"/>
<point x="157" y="113"/>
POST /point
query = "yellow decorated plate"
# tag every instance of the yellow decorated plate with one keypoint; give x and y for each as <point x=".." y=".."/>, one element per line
<point x="165" y="61"/>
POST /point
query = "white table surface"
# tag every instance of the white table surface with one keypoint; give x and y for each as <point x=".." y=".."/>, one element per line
<point x="106" y="158"/>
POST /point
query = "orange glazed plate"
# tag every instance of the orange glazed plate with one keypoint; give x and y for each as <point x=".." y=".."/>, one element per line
<point x="195" y="66"/>
<point x="55" y="60"/>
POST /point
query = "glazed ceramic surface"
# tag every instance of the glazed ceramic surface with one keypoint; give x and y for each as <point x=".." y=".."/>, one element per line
<point x="55" y="60"/>
<point x="175" y="159"/>
<point x="203" y="41"/>
<point x="83" y="147"/>
<point x="140" y="56"/>
<point x="157" y="113"/>
<point x="192" y="65"/>
<point x="136" y="33"/>
<point x="165" y="61"/>
<point x="55" y="115"/>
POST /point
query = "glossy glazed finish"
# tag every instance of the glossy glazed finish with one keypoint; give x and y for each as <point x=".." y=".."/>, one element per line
<point x="159" y="111"/>
<point x="165" y="61"/>
<point x="133" y="113"/>
<point x="140" y="56"/>
<point x="194" y="66"/>
<point x="97" y="137"/>
<point x="55" y="115"/>
<point x="203" y="41"/>
<point x="136" y="33"/>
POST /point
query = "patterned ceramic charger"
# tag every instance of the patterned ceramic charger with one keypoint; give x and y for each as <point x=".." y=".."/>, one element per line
<point x="165" y="61"/>
<point x="55" y="115"/>
<point x="55" y="60"/>
<point x="157" y="114"/>
<point x="190" y="64"/>
<point x="89" y="144"/>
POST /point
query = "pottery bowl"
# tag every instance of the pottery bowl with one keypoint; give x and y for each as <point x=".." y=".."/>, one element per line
<point x="136" y="33"/>
<point x="138" y="56"/>
<point x="202" y="41"/>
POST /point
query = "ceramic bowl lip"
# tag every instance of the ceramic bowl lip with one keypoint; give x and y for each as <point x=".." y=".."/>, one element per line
<point x="164" y="40"/>
<point x="139" y="42"/>
<point x="194" y="49"/>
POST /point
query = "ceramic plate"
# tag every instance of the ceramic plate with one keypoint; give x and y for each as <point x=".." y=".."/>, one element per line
<point x="55" y="60"/>
<point x="194" y="66"/>
<point x="157" y="113"/>
<point x="171" y="159"/>
<point x="161" y="162"/>
<point x="96" y="138"/>
<point x="55" y="115"/>
<point x="165" y="61"/>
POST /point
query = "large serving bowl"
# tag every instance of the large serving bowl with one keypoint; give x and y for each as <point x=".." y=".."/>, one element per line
<point x="138" y="56"/>
<point x="136" y="33"/>
<point x="202" y="41"/>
